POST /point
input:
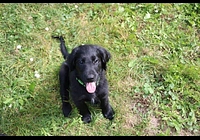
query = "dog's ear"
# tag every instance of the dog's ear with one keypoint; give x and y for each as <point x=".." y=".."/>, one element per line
<point x="105" y="56"/>
<point x="71" y="60"/>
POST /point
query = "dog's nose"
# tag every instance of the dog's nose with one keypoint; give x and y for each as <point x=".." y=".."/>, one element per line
<point x="90" y="77"/>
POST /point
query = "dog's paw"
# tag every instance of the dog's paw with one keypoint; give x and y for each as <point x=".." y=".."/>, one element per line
<point x="109" y="114"/>
<point x="86" y="118"/>
<point x="67" y="108"/>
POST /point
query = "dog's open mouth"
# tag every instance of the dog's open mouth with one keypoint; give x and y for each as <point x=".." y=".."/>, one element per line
<point x="91" y="87"/>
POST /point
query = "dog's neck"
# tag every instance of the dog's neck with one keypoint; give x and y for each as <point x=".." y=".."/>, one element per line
<point x="83" y="84"/>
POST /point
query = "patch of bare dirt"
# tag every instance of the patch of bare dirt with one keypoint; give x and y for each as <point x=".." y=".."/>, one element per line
<point x="152" y="128"/>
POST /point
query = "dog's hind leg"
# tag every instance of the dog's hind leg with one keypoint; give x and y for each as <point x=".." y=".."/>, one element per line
<point x="64" y="89"/>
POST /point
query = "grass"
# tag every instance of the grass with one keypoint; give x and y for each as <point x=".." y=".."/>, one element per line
<point x="154" y="73"/>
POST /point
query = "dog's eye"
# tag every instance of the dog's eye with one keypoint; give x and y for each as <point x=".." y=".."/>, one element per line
<point x="81" y="61"/>
<point x="96" y="61"/>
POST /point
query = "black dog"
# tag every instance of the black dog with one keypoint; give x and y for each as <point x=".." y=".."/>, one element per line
<point x="82" y="76"/>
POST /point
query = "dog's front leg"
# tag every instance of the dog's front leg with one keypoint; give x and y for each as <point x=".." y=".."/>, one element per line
<point x="107" y="109"/>
<point x="83" y="110"/>
<point x="64" y="89"/>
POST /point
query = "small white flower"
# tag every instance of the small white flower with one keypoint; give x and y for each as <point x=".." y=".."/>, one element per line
<point x="31" y="59"/>
<point x="156" y="11"/>
<point x="76" y="6"/>
<point x="47" y="29"/>
<point x="36" y="71"/>
<point x="19" y="47"/>
<point x="147" y="16"/>
<point x="37" y="75"/>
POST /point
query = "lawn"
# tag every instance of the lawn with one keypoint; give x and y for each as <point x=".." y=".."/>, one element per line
<point x="153" y="75"/>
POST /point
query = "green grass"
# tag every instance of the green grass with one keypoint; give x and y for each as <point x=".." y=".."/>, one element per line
<point x="154" y="73"/>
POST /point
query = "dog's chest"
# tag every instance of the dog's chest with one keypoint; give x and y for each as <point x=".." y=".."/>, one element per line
<point x="93" y="99"/>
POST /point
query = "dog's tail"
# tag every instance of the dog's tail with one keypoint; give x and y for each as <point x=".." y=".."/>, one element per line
<point x="63" y="48"/>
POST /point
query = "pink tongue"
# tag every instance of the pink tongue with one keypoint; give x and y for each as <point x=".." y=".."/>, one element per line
<point x="91" y="87"/>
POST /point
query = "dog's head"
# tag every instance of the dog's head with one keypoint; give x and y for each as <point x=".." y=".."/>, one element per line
<point x="88" y="62"/>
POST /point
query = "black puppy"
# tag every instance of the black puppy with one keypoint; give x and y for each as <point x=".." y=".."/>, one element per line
<point x="82" y="75"/>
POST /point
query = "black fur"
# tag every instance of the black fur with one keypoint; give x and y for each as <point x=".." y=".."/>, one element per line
<point x="86" y="63"/>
